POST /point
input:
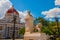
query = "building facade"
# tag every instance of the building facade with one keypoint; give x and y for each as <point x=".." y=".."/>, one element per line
<point x="7" y="24"/>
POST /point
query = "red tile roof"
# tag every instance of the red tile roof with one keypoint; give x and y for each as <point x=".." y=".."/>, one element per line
<point x="11" y="10"/>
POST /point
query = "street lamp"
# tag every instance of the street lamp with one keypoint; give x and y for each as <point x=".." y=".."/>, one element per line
<point x="58" y="27"/>
<point x="14" y="20"/>
<point x="55" y="15"/>
<point x="58" y="6"/>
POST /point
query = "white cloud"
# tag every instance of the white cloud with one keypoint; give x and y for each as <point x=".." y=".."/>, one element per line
<point x="57" y="2"/>
<point x="22" y="15"/>
<point x="50" y="19"/>
<point x="4" y="6"/>
<point x="55" y="12"/>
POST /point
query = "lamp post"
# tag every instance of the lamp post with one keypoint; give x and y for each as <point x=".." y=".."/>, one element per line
<point x="14" y="20"/>
<point x="58" y="27"/>
<point x="58" y="6"/>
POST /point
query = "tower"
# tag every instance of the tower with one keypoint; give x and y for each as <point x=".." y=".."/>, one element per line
<point x="10" y="13"/>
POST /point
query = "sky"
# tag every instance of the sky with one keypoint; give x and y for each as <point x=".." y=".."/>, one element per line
<point x="38" y="8"/>
<point x="35" y="6"/>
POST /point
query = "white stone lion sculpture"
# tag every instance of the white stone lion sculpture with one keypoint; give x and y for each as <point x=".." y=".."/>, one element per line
<point x="38" y="27"/>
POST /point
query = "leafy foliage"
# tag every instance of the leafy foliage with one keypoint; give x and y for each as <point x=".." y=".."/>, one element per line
<point x="48" y="27"/>
<point x="41" y="20"/>
<point x="22" y="31"/>
<point x="47" y="30"/>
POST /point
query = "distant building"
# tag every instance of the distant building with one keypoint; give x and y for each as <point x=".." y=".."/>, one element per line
<point x="6" y="24"/>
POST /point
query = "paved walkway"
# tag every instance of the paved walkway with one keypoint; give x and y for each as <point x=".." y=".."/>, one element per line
<point x="11" y="39"/>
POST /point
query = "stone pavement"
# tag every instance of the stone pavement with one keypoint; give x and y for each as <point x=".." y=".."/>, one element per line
<point x="11" y="39"/>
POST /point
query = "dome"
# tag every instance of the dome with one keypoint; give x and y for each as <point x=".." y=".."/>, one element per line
<point x="11" y="10"/>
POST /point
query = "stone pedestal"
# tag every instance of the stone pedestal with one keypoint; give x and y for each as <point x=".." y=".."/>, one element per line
<point x="35" y="36"/>
<point x="32" y="36"/>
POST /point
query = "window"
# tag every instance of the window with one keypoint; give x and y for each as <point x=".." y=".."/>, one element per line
<point x="0" y="27"/>
<point x="0" y="35"/>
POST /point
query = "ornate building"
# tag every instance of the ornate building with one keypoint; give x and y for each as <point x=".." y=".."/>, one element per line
<point x="6" y="24"/>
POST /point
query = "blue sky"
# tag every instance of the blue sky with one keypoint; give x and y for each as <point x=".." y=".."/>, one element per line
<point x="35" y="6"/>
<point x="38" y="8"/>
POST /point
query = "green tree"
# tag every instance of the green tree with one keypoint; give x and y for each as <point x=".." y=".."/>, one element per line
<point x="47" y="30"/>
<point x="41" y="20"/>
<point x="52" y="23"/>
<point x="49" y="27"/>
<point x="22" y="31"/>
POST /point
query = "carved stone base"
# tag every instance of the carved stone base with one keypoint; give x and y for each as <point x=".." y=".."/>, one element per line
<point x="35" y="36"/>
<point x="32" y="36"/>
